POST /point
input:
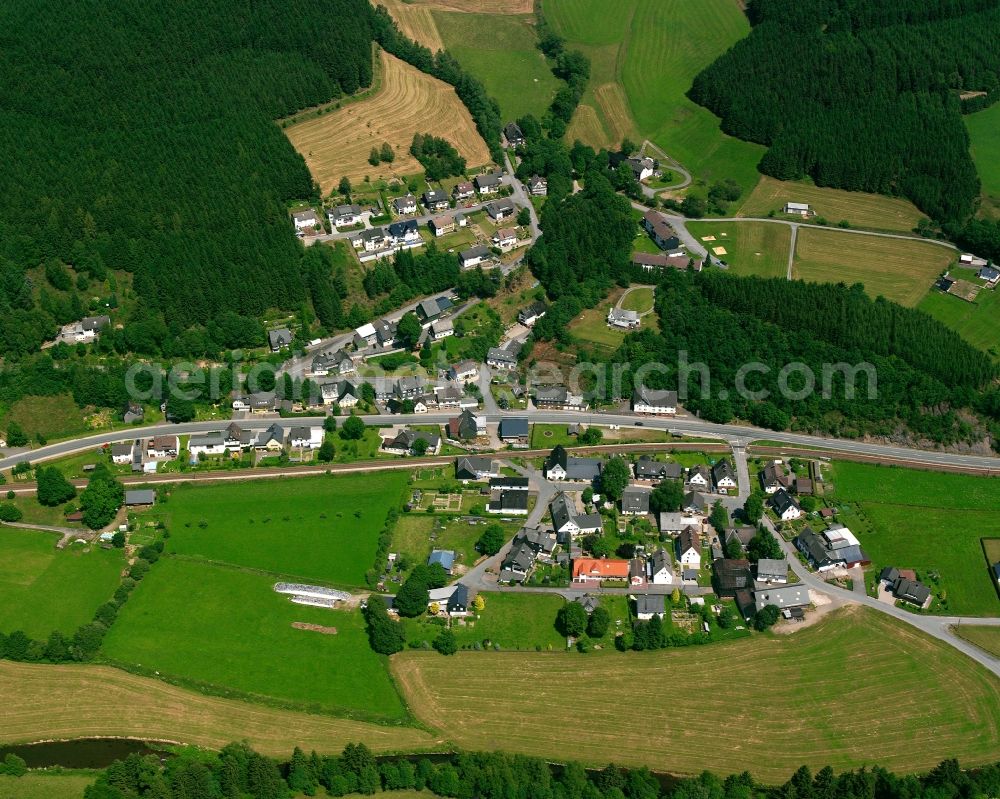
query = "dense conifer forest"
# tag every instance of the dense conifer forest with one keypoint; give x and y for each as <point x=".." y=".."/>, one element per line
<point x="862" y="94"/>
<point x="142" y="137"/>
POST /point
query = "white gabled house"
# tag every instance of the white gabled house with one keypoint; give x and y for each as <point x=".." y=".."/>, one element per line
<point x="654" y="401"/>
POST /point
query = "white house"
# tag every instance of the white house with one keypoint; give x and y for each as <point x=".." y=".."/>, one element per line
<point x="121" y="454"/>
<point x="405" y="205"/>
<point x="342" y="393"/>
<point x="798" y="209"/>
<point x="162" y="447"/>
<point x="723" y="477"/>
<point x="649" y="605"/>
<point x="785" y="506"/>
<point x="505" y="238"/>
<point x="661" y="568"/>
<point x="365" y="336"/>
<point x="344" y="215"/>
<point x="627" y="320"/>
<point x="699" y="477"/>
<point x="442" y="328"/>
<point x="474" y="256"/>
<point x="306" y="221"/>
<point x="213" y="443"/>
<point x="464" y="371"/>
<point x="689" y="548"/>
<point x="500" y="358"/>
<point x="305" y="437"/>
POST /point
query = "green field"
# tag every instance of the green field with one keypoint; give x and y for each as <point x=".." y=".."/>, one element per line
<point x="413" y="531"/>
<point x="500" y="50"/>
<point x="228" y="629"/>
<point x="752" y="248"/>
<point x="39" y="785"/>
<point x="638" y="299"/>
<point x="44" y="589"/>
<point x="987" y="638"/>
<point x="644" y="58"/>
<point x="977" y="322"/>
<point x="984" y="130"/>
<point x="823" y="701"/>
<point x="927" y="521"/>
<point x="323" y="528"/>
<point x="53" y="417"/>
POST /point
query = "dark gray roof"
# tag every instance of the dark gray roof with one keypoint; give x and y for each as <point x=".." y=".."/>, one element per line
<point x="520" y="558"/>
<point x="519" y="483"/>
<point x="650" y="603"/>
<point x="772" y="568"/>
<point x="479" y="251"/>
<point x="782" y="501"/>
<point x="400" y="229"/>
<point x="142" y="496"/>
<point x="514" y="428"/>
<point x="722" y="469"/>
<point x="635" y="500"/>
<point x="654" y="397"/>
<point x="562" y="511"/>
<point x="501" y="355"/>
<point x="647" y="468"/>
<point x="784" y="596"/>
<point x="511" y="500"/>
<point x="459" y="599"/>
<point x="694" y="501"/>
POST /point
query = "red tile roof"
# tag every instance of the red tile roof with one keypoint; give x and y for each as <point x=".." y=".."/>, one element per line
<point x="600" y="569"/>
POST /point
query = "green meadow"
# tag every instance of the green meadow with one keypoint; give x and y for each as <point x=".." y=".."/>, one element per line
<point x="984" y="131"/>
<point x="226" y="630"/>
<point x="926" y="521"/>
<point x="310" y="528"/>
<point x="752" y="248"/>
<point x="977" y="322"/>
<point x="43" y="589"/>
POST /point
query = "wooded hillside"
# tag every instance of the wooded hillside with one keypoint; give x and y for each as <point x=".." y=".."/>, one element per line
<point x="142" y="137"/>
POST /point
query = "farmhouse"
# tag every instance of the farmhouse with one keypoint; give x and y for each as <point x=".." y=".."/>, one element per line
<point x="635" y="501"/>
<point x="787" y="596"/>
<point x="689" y="548"/>
<point x="514" y="430"/>
<point x="436" y="200"/>
<point x="654" y="401"/>
<point x="649" y="605"/>
<point x="306" y="221"/>
<point x="512" y="133"/>
<point x="558" y="398"/>
<point x="476" y="467"/>
<point x="537" y="187"/>
<point x="508" y="501"/>
<point x="505" y="238"/>
<point x="344" y="215"/>
<point x="501" y="209"/>
<point x="442" y="328"/>
<point x="474" y="256"/>
<point x="642" y="168"/>
<point x="619" y="317"/>
<point x="798" y="209"/>
<point x="785" y="506"/>
<point x="488" y="184"/>
<point x="406" y="204"/>
<point x="500" y="358"/>
<point x="589" y="570"/>
<point x="723" y="476"/>
<point x="528" y="316"/>
<point x="772" y="570"/>
<point x="660" y="230"/>
<point x="140" y="497"/>
<point x="648" y="469"/>
<point x="463" y="191"/>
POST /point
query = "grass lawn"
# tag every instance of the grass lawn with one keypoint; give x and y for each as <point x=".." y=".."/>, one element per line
<point x="902" y="271"/>
<point x="500" y="50"/>
<point x="414" y="531"/>
<point x="227" y="628"/>
<point x="322" y="529"/>
<point x="514" y="621"/>
<point x="926" y="521"/>
<point x="797" y="714"/>
<point x="638" y="299"/>
<point x="44" y="589"/>
<point x="873" y="211"/>
<point x="752" y="248"/>
<point x="53" y="417"/>
<point x="984" y="130"/>
<point x="39" y="785"/>
<point x="977" y="322"/>
<point x="987" y="638"/>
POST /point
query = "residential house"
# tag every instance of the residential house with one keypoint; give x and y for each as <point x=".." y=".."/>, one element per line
<point x="429" y="310"/>
<point x="518" y="561"/>
<point x="458" y="603"/>
<point x="162" y="447"/>
<point x="660" y="402"/>
<point x="723" y="477"/>
<point x="661" y="568"/>
<point x="500" y="358"/>
<point x="488" y="184"/>
<point x="476" y="467"/>
<point x="279" y="339"/>
<point x="306" y="221"/>
<point x="374" y="239"/>
<point x="625" y="319"/>
<point x="140" y="497"/>
<point x="731" y="575"/>
<point x="466" y="426"/>
<point x="528" y="316"/>
<point x="659" y="230"/>
<point x="798" y="209"/>
<point x="213" y="443"/>
<point x="912" y="591"/>
<point x="834" y="548"/>
<point x="442" y="328"/>
<point x="436" y="200"/>
<point x="512" y="502"/>
<point x="385" y="333"/>
<point x="505" y="238"/>
<point x="699" y="477"/>
<point x="464" y="371"/>
<point x="406" y="204"/>
<point x="474" y="256"/>
<point x="772" y="570"/>
<point x="694" y="503"/>
<point x="133" y="412"/>
<point x="559" y="466"/>
<point x="510" y="484"/>
<point x="261" y="402"/>
<point x="87" y="329"/>
<point x="689" y="548"/>
<point x="501" y="209"/>
<point x="270" y="440"/>
<point x="447" y="396"/>
<point x="590" y="570"/>
<point x="405" y="442"/>
<point x="121" y="454"/>
<point x="774" y="477"/>
<point x="512" y="133"/>
<point x="303" y="437"/>
<point x="558" y="398"/>
<point x="342" y="392"/>
<point x="744" y="535"/>
<point x="785" y="506"/>
<point x="635" y="501"/>
<point x="514" y="430"/>
<point x="990" y="274"/>
<point x="442" y="225"/>
<point x="365" y="336"/>
<point x="537" y="186"/>
<point x="568" y="523"/>
<point x="648" y="470"/>
<point x="405" y="233"/>
<point x="649" y="605"/>
<point x="337" y="363"/>
<point x="344" y="215"/>
<point x="782" y="597"/>
<point x="463" y="191"/>
<point x="443" y="557"/>
<point x="642" y="168"/>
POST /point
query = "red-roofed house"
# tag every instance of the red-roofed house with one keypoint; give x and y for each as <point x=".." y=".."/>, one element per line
<point x="591" y="570"/>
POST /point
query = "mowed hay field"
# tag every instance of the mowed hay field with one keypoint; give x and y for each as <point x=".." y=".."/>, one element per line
<point x="43" y="589"/>
<point x="43" y="702"/>
<point x="45" y="786"/>
<point x="824" y="701"/>
<point x="987" y="638"/>
<point x="407" y="102"/>
<point x="860" y="209"/>
<point x="416" y="22"/>
<point x="312" y="528"/>
<point x="752" y="248"/>
<point x="227" y="629"/>
<point x="900" y="270"/>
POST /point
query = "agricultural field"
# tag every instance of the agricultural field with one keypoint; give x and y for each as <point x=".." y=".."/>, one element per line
<point x="987" y="638"/>
<point x="752" y="248"/>
<point x="644" y="58"/>
<point x="408" y="101"/>
<point x="862" y="210"/>
<point x="415" y="21"/>
<point x="45" y="786"/>
<point x="43" y="589"/>
<point x="323" y="528"/>
<point x="926" y="521"/>
<point x="511" y="621"/>
<point x="902" y="271"/>
<point x="227" y="629"/>
<point x="798" y="714"/>
<point x="984" y="130"/>
<point x="501" y="51"/>
<point x="47" y="702"/>
<point x="977" y="322"/>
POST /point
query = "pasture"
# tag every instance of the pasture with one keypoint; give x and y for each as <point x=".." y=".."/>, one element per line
<point x="228" y="630"/>
<point x="408" y="101"/>
<point x="501" y="51"/>
<point x="644" y="59"/>
<point x="312" y="528"/>
<point x="863" y="210"/>
<point x="43" y="589"/>
<point x="899" y="270"/>
<point x="987" y="638"/>
<point x="927" y="521"/>
<point x="984" y="130"/>
<point x="41" y="785"/>
<point x="977" y="322"/>
<point x="752" y="248"/>
<point x="823" y="702"/>
<point x="53" y="702"/>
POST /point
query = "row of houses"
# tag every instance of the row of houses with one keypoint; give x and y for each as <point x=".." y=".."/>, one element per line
<point x="145" y="454"/>
<point x="274" y="438"/>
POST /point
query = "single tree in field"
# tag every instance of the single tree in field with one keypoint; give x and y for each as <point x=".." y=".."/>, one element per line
<point x="374" y="157"/>
<point x="492" y="539"/>
<point x="344" y="187"/>
<point x="386" y="153"/>
<point x="53" y="488"/>
<point x="571" y="619"/>
<point x="445" y="643"/>
<point x="353" y="428"/>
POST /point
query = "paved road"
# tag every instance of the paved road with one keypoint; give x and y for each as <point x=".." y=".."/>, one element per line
<point x="791" y="249"/>
<point x="854" y="231"/>
<point x="672" y="164"/>
<point x="521" y="197"/>
<point x="67" y="533"/>
<point x="937" y="626"/>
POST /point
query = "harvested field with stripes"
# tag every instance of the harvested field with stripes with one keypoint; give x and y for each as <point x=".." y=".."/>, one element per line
<point x="44" y="702"/>
<point x="848" y="691"/>
<point x="407" y="102"/>
<point x="415" y="21"/>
